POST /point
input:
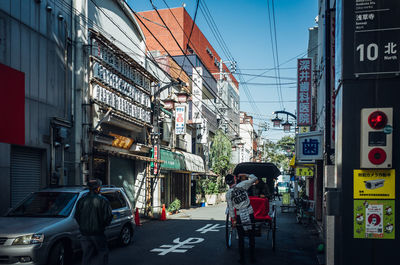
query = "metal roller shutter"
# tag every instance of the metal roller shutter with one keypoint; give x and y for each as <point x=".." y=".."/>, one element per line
<point x="25" y="172"/>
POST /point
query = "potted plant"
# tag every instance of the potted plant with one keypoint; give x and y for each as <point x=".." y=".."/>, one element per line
<point x="174" y="207"/>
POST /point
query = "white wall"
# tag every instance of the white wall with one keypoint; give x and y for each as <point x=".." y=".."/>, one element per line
<point x="113" y="18"/>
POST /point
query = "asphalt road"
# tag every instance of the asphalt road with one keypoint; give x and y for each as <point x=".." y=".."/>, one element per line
<point x="197" y="237"/>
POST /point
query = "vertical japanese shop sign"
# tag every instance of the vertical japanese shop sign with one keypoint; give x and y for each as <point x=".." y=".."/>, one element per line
<point x="180" y="120"/>
<point x="155" y="156"/>
<point x="197" y="94"/>
<point x="376" y="37"/>
<point x="304" y="75"/>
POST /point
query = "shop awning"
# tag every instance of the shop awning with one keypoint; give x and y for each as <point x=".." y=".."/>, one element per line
<point x="193" y="163"/>
<point x="124" y="153"/>
<point x="172" y="161"/>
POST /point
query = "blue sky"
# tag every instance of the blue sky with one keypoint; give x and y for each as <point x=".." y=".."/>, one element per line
<point x="245" y="28"/>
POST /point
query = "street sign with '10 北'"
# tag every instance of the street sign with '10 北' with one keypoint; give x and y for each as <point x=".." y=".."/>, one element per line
<point x="376" y="37"/>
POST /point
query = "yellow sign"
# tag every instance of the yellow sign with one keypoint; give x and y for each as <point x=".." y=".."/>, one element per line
<point x="304" y="129"/>
<point x="374" y="184"/>
<point x="286" y="198"/>
<point x="121" y="141"/>
<point x="304" y="171"/>
<point x="293" y="161"/>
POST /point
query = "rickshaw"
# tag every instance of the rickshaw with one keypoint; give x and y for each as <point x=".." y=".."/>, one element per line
<point x="264" y="212"/>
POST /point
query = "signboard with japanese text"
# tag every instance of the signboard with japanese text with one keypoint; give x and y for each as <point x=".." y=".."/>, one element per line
<point x="304" y="80"/>
<point x="309" y="147"/>
<point x="202" y="133"/>
<point x="155" y="156"/>
<point x="304" y="171"/>
<point x="374" y="219"/>
<point x="377" y="37"/>
<point x="197" y="94"/>
<point x="374" y="184"/>
<point x="118" y="83"/>
<point x="304" y="129"/>
<point x="180" y="120"/>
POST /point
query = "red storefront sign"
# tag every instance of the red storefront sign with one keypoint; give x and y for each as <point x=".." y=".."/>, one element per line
<point x="12" y="106"/>
<point x="304" y="79"/>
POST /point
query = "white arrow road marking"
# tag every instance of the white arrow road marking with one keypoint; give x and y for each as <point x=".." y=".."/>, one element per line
<point x="210" y="228"/>
<point x="179" y="247"/>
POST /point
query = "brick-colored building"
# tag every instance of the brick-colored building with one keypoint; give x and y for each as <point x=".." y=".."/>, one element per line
<point x="180" y="23"/>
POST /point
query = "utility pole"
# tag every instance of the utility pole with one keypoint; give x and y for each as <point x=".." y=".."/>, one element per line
<point x="150" y="181"/>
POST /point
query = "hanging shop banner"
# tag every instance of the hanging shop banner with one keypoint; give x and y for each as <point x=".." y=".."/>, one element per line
<point x="304" y="81"/>
<point x="197" y="94"/>
<point x="180" y="123"/>
<point x="374" y="219"/>
<point x="304" y="172"/>
<point x="374" y="184"/>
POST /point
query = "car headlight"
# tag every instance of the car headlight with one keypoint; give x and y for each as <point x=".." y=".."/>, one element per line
<point x="29" y="239"/>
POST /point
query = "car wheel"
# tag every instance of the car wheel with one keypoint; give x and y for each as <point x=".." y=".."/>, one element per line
<point x="57" y="254"/>
<point x="125" y="236"/>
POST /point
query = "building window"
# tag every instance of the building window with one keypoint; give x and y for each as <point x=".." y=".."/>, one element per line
<point x="189" y="49"/>
<point x="209" y="52"/>
<point x="216" y="62"/>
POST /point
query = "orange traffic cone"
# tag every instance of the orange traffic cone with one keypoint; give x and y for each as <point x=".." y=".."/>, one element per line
<point x="137" y="219"/>
<point x="163" y="214"/>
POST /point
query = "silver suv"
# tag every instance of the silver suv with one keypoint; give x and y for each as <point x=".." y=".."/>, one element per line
<point x="42" y="228"/>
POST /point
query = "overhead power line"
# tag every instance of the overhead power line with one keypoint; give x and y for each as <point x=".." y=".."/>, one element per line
<point x="222" y="116"/>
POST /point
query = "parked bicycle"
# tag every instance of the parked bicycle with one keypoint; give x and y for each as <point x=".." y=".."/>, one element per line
<point x="304" y="209"/>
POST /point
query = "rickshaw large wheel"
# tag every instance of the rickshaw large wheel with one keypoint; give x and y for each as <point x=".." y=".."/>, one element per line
<point x="229" y="232"/>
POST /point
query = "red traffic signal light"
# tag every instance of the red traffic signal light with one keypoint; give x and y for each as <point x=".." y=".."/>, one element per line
<point x="377" y="120"/>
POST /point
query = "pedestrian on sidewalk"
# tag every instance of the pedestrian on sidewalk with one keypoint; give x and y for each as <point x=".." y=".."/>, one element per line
<point x="237" y="198"/>
<point x="277" y="192"/>
<point x="93" y="214"/>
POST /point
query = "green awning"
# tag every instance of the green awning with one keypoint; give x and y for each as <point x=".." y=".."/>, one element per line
<point x="172" y="161"/>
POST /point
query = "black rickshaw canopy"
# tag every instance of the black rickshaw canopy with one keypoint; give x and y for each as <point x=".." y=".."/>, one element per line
<point x="259" y="169"/>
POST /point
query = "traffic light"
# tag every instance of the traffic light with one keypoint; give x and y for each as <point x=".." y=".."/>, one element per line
<point x="376" y="137"/>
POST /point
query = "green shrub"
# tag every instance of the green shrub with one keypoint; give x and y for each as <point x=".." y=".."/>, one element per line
<point x="174" y="206"/>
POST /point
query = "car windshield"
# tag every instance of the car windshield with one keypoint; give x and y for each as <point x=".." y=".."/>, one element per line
<point x="46" y="204"/>
<point x="282" y="184"/>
